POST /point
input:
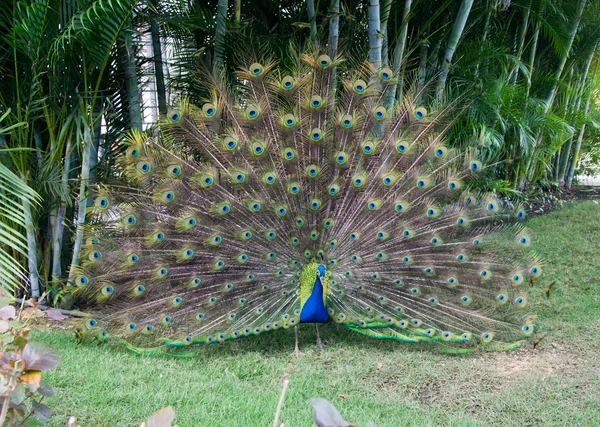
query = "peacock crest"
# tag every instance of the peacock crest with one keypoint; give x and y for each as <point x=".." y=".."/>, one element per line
<point x="280" y="201"/>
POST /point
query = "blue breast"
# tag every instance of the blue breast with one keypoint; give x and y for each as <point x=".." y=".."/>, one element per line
<point x="314" y="310"/>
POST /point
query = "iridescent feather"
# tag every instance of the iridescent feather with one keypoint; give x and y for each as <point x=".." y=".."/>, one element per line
<point x="216" y="227"/>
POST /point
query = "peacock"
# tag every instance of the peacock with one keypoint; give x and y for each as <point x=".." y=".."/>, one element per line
<point x="278" y="200"/>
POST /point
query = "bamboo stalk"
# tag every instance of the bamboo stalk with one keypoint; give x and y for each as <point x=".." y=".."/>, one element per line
<point x="398" y="88"/>
<point x="237" y="11"/>
<point x="563" y="59"/>
<point x="159" y="74"/>
<point x="522" y="34"/>
<point x="385" y="16"/>
<point x="220" y="33"/>
<point x="133" y="94"/>
<point x="457" y="30"/>
<point x="374" y="29"/>
<point x="58" y="229"/>
<point x="332" y="48"/>
<point x="312" y="21"/>
<point x="32" y="254"/>
<point x="82" y="203"/>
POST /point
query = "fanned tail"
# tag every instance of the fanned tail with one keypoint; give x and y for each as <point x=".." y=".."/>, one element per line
<point x="207" y="232"/>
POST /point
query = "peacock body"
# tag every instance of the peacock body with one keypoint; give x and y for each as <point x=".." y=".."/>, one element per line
<point x="281" y="202"/>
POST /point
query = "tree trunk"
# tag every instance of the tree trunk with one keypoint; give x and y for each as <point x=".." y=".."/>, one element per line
<point x="332" y="48"/>
<point x="58" y="228"/>
<point x="457" y="30"/>
<point x="312" y="20"/>
<point x="486" y="29"/>
<point x="32" y="253"/>
<point x="159" y="74"/>
<point x="133" y="94"/>
<point x="565" y="149"/>
<point x="386" y="6"/>
<point x="565" y="55"/>
<point x="532" y="53"/>
<point x="422" y="72"/>
<point x="521" y="42"/>
<point x="334" y="29"/>
<point x="397" y="67"/>
<point x="237" y="11"/>
<point x="577" y="150"/>
<point x="375" y="36"/>
<point x="570" y="171"/>
<point x="82" y="203"/>
<point x="220" y="34"/>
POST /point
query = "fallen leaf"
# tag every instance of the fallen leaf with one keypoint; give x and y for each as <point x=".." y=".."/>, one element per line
<point x="325" y="414"/>
<point x="7" y="312"/>
<point x="162" y="418"/>
<point x="55" y="314"/>
<point x="343" y="396"/>
<point x="548" y="288"/>
<point x="537" y="341"/>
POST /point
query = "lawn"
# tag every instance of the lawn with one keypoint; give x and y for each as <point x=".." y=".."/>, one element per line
<point x="238" y="383"/>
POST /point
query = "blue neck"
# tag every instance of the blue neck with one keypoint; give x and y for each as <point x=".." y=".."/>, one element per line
<point x="314" y="310"/>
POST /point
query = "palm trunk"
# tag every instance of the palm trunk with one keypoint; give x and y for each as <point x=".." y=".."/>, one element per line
<point x="575" y="157"/>
<point x="332" y="48"/>
<point x="133" y="94"/>
<point x="386" y="6"/>
<point x="457" y="30"/>
<point x="532" y="53"/>
<point x="312" y="21"/>
<point x="375" y="39"/>
<point x="334" y="29"/>
<point x="58" y="228"/>
<point x="486" y="29"/>
<point x="521" y="42"/>
<point x="398" y="69"/>
<point x="530" y="170"/>
<point x="237" y="10"/>
<point x="564" y="151"/>
<point x="32" y="254"/>
<point x="159" y="74"/>
<point x="577" y="149"/>
<point x="563" y="60"/>
<point x="82" y="204"/>
<point x="220" y="33"/>
<point x="422" y="72"/>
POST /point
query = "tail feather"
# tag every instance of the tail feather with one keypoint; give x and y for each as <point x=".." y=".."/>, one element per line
<point x="205" y="234"/>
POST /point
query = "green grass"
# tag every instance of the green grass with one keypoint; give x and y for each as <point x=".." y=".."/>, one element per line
<point x="238" y="383"/>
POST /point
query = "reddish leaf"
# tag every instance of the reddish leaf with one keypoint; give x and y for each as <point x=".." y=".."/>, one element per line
<point x="40" y="357"/>
<point x="7" y="312"/>
<point x="55" y="314"/>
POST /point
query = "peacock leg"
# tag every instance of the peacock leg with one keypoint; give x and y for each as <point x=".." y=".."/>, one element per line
<point x="319" y="342"/>
<point x="296" y="349"/>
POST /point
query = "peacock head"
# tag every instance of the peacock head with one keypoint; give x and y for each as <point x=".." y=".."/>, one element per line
<point x="321" y="272"/>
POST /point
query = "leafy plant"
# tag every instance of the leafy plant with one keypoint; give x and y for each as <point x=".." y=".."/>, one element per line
<point x="22" y="362"/>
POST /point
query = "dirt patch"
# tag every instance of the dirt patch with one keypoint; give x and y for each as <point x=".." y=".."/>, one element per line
<point x="555" y="359"/>
<point x="429" y="392"/>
